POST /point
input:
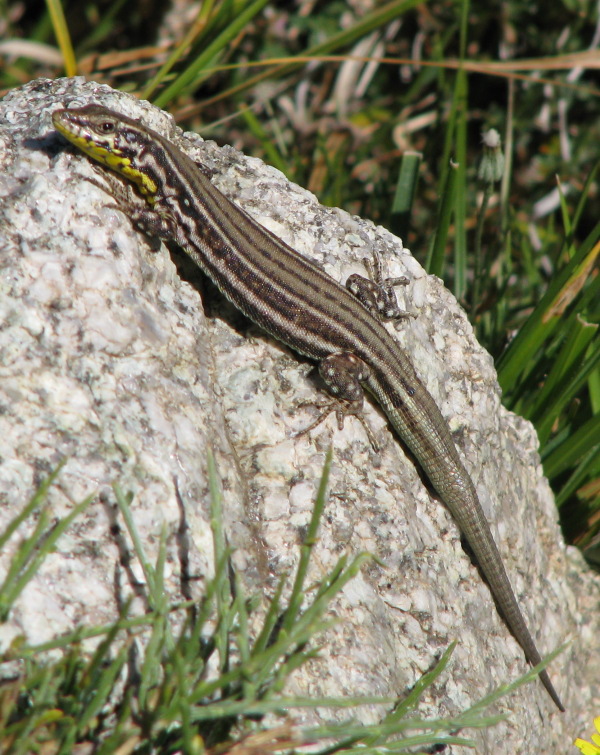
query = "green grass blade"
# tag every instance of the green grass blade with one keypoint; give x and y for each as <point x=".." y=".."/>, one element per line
<point x="573" y="352"/>
<point x="410" y="702"/>
<point x="193" y="74"/>
<point x="223" y="606"/>
<point x="37" y="499"/>
<point x="9" y="590"/>
<point x="100" y="683"/>
<point x="518" y="359"/>
<point x="575" y="447"/>
<point x="436" y="256"/>
<point x="271" y="618"/>
<point x="406" y="187"/>
<point x="412" y="699"/>
<point x="33" y="552"/>
<point x="588" y="468"/>
<point x="61" y="31"/>
<point x="310" y="540"/>
<point x="259" y="132"/>
<point x="195" y="31"/>
<point x="571" y="359"/>
<point x="124" y="504"/>
<point x="461" y="190"/>
<point x="378" y="18"/>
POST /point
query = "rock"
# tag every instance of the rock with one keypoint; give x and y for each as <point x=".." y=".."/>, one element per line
<point x="118" y="357"/>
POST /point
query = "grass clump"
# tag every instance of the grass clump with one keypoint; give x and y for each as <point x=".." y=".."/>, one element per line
<point x="191" y="676"/>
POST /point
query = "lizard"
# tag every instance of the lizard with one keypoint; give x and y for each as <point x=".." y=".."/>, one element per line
<point x="295" y="301"/>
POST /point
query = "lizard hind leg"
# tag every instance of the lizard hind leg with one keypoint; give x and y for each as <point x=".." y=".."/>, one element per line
<point x="343" y="374"/>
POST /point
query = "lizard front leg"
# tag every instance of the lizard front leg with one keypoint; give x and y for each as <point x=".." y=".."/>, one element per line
<point x="377" y="294"/>
<point x="151" y="219"/>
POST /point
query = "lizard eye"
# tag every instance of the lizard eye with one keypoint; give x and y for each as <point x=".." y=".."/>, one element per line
<point x="107" y="127"/>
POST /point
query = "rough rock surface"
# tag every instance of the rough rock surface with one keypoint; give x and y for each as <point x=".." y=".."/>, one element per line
<point x="113" y="360"/>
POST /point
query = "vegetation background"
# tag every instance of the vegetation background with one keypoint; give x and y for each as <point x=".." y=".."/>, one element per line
<point x="386" y="110"/>
<point x="380" y="108"/>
